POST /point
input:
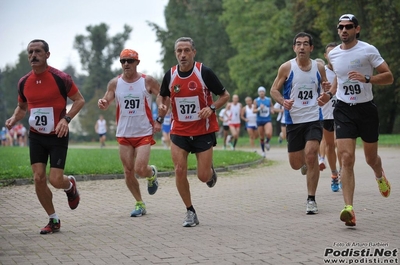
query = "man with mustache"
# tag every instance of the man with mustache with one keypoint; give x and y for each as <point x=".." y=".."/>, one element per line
<point x="44" y="92"/>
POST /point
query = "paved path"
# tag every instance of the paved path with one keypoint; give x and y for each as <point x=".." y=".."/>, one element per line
<point x="252" y="216"/>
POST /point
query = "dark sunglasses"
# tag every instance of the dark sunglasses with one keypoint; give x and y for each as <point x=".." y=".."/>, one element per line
<point x="123" y="61"/>
<point x="348" y="26"/>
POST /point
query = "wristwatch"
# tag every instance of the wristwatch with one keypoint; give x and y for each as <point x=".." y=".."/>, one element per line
<point x="212" y="107"/>
<point x="330" y="94"/>
<point x="160" y="120"/>
<point x="367" y="78"/>
<point x="67" y="118"/>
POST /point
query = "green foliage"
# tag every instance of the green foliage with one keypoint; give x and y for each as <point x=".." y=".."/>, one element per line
<point x="9" y="78"/>
<point x="261" y="33"/>
<point x="379" y="21"/>
<point x="200" y="21"/>
<point x="243" y="41"/>
<point x="98" y="51"/>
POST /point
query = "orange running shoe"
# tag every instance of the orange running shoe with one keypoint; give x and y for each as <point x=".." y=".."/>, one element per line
<point x="347" y="215"/>
<point x="384" y="185"/>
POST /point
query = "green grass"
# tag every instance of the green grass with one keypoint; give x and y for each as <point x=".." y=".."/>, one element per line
<point x="390" y="140"/>
<point x="15" y="164"/>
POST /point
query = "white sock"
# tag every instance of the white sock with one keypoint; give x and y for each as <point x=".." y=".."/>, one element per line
<point x="54" y="216"/>
<point x="70" y="186"/>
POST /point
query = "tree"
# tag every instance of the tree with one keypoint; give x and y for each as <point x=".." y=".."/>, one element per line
<point x="261" y="32"/>
<point x="200" y="21"/>
<point x="97" y="53"/>
<point x="378" y="30"/>
<point x="9" y="78"/>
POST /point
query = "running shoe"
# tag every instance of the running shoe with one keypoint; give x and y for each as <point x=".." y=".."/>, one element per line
<point x="52" y="227"/>
<point x="228" y="139"/>
<point x="347" y="215"/>
<point x="303" y="170"/>
<point x="211" y="183"/>
<point x="263" y="154"/>
<point x="384" y="185"/>
<point x="267" y="146"/>
<point x="322" y="165"/>
<point x="140" y="209"/>
<point x="73" y="194"/>
<point x="280" y="139"/>
<point x="190" y="219"/>
<point x="335" y="183"/>
<point x="311" y="207"/>
<point x="152" y="182"/>
<point x="232" y="147"/>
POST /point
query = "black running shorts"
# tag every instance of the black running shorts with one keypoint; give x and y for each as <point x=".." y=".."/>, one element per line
<point x="329" y="125"/>
<point x="357" y="120"/>
<point x="195" y="144"/>
<point x="299" y="134"/>
<point x="41" y="146"/>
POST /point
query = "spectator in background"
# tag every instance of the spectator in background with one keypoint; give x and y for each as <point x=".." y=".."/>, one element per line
<point x="224" y="116"/>
<point x="3" y="136"/>
<point x="250" y="118"/>
<point x="166" y="130"/>
<point x="101" y="129"/>
<point x="234" y="121"/>
<point x="262" y="105"/>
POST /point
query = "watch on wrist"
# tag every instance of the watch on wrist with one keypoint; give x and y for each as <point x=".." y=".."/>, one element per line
<point x="67" y="118"/>
<point x="160" y="120"/>
<point x="213" y="108"/>
<point x="330" y="94"/>
<point x="367" y="78"/>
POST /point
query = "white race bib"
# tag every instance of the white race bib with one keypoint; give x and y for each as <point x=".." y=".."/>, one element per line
<point x="264" y="111"/>
<point x="187" y="108"/>
<point x="304" y="96"/>
<point x="132" y="106"/>
<point x="351" y="91"/>
<point x="42" y="119"/>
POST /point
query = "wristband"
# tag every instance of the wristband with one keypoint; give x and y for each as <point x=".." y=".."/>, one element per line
<point x="67" y="118"/>
<point x="160" y="120"/>
<point x="330" y="94"/>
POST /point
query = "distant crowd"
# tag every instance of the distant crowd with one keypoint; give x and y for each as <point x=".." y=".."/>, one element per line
<point x="17" y="136"/>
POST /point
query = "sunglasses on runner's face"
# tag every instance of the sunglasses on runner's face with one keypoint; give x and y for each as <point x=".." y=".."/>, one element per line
<point x="123" y="61"/>
<point x="348" y="26"/>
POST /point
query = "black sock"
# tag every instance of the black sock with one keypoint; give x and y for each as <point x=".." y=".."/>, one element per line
<point x="191" y="209"/>
<point x="311" y="198"/>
